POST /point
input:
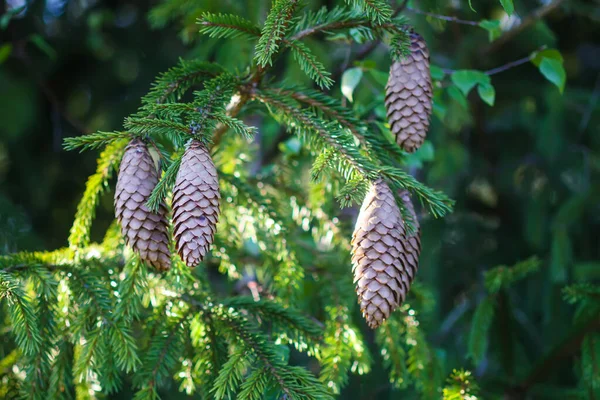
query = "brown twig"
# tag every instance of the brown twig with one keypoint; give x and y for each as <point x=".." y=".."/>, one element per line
<point x="443" y="17"/>
<point x="501" y="68"/>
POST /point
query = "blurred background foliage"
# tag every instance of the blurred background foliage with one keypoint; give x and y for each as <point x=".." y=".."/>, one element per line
<point x="525" y="172"/>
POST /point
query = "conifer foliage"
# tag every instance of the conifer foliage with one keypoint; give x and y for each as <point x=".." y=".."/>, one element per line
<point x="129" y="312"/>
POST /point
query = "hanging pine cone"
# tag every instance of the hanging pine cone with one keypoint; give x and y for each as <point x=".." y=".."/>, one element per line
<point x="409" y="96"/>
<point x="143" y="230"/>
<point x="195" y="204"/>
<point x="384" y="259"/>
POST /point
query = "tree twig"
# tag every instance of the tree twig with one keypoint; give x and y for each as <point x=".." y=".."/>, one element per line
<point x="443" y="17"/>
<point x="502" y="68"/>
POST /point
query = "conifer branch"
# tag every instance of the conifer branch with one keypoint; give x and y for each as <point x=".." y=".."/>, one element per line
<point x="274" y="30"/>
<point x="378" y="11"/>
<point x="164" y="186"/>
<point x="227" y="26"/>
<point x="22" y="317"/>
<point x="309" y="64"/>
<point x="107" y="162"/>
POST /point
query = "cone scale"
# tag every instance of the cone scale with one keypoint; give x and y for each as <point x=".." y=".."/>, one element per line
<point x="196" y="201"/>
<point x="143" y="230"/>
<point x="384" y="257"/>
<point x="409" y="96"/>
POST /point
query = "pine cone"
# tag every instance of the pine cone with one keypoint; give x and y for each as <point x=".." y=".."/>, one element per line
<point x="409" y="96"/>
<point x="384" y="259"/>
<point x="143" y="230"/>
<point x="195" y="204"/>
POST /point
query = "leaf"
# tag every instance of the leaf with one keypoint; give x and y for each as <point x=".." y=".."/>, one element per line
<point x="43" y="45"/>
<point x="436" y="72"/>
<point x="487" y="93"/>
<point x="493" y="28"/>
<point x="538" y="56"/>
<point x="508" y="6"/>
<point x="457" y="95"/>
<point x="554" y="71"/>
<point x="5" y="51"/>
<point x="466" y="80"/>
<point x="350" y="80"/>
<point x="471" y="6"/>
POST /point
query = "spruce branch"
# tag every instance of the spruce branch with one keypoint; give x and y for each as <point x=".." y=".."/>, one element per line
<point x="378" y="11"/>
<point x="227" y="26"/>
<point x="309" y="64"/>
<point x="107" y="163"/>
<point x="304" y="333"/>
<point x="22" y="316"/>
<point x="274" y="29"/>
<point x="236" y="125"/>
<point x="94" y="140"/>
<point x="164" y="186"/>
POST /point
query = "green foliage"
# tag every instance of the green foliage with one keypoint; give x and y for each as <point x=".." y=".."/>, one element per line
<point x="107" y="163"/>
<point x="271" y="313"/>
<point x="274" y="29"/>
<point x="460" y="385"/>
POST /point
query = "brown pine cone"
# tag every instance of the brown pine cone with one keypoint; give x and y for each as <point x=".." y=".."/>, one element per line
<point x="143" y="230"/>
<point x="383" y="258"/>
<point x="409" y="96"/>
<point x="195" y="204"/>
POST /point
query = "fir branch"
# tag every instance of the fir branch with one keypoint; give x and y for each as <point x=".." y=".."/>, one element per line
<point x="480" y="326"/>
<point x="590" y="360"/>
<point x="22" y="316"/>
<point x="171" y="85"/>
<point x="327" y="134"/>
<point x="460" y="385"/>
<point x="400" y="45"/>
<point x="502" y="276"/>
<point x="227" y="26"/>
<point x="230" y="375"/>
<point x="389" y="337"/>
<point x="309" y="64"/>
<point x="161" y="355"/>
<point x="326" y="21"/>
<point x="107" y="162"/>
<point x="582" y="292"/>
<point x="164" y="186"/>
<point x="254" y="386"/>
<point x="302" y="332"/>
<point x="378" y="11"/>
<point x="236" y="125"/>
<point x="439" y="204"/>
<point x="274" y="29"/>
<point x="94" y="141"/>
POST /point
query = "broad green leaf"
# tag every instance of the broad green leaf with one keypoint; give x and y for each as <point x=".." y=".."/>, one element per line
<point x="538" y="56"/>
<point x="437" y="73"/>
<point x="379" y="76"/>
<point x="554" y="71"/>
<point x="457" y="95"/>
<point x="508" y="6"/>
<point x="466" y="80"/>
<point x="493" y="28"/>
<point x="487" y="93"/>
<point x="5" y="51"/>
<point x="350" y="80"/>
